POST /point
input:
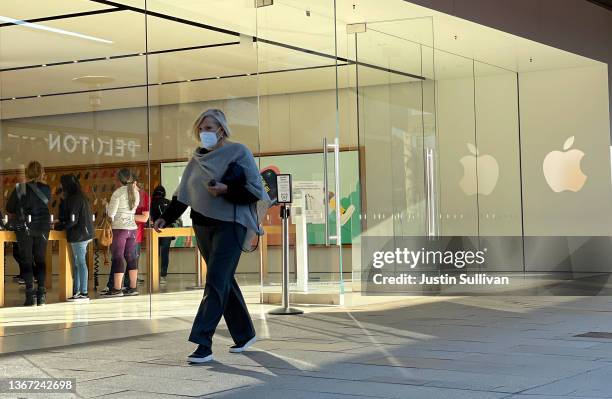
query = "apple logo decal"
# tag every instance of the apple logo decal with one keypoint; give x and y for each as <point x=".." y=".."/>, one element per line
<point x="562" y="168"/>
<point x="488" y="172"/>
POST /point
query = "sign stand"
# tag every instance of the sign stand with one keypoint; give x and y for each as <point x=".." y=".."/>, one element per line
<point x="283" y="181"/>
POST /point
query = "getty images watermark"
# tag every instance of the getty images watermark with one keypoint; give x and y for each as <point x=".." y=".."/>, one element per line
<point x="487" y="265"/>
<point x="436" y="258"/>
<point x="432" y="266"/>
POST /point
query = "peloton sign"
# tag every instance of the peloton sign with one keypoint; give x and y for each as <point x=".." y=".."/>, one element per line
<point x="86" y="144"/>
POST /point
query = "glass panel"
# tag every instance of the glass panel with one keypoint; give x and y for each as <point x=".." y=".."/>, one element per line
<point x="197" y="62"/>
<point x="73" y="94"/>
<point x="566" y="182"/>
<point x="498" y="167"/>
<point x="298" y="110"/>
<point x="396" y="125"/>
<point x="456" y="136"/>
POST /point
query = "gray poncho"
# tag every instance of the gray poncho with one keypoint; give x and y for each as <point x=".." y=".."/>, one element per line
<point x="202" y="168"/>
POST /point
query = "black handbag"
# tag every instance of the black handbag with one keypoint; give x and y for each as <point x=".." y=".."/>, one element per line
<point x="235" y="176"/>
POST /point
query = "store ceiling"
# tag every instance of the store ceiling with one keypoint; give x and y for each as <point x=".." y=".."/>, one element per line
<point x="204" y="50"/>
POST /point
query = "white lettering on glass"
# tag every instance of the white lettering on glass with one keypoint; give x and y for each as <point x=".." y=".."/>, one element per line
<point x="107" y="146"/>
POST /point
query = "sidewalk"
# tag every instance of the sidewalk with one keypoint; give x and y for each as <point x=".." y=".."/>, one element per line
<point x="469" y="348"/>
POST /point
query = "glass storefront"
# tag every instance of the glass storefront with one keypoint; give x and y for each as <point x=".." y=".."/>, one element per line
<point x="393" y="120"/>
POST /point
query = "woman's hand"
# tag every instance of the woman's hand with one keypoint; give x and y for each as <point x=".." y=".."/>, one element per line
<point x="217" y="189"/>
<point x="159" y="225"/>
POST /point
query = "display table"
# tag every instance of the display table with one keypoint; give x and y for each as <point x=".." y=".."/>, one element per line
<point x="153" y="253"/>
<point x="65" y="259"/>
<point x="65" y="263"/>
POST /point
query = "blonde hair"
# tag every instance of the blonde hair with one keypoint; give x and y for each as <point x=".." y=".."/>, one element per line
<point x="34" y="171"/>
<point x="215" y="114"/>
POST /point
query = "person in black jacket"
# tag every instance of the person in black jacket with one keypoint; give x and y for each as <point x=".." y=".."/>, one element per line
<point x="159" y="204"/>
<point x="76" y="218"/>
<point x="27" y="205"/>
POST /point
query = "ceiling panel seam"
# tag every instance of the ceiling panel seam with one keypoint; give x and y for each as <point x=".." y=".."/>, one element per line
<point x="255" y="39"/>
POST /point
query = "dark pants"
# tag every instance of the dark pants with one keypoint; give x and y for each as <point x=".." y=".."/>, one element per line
<point x="123" y="251"/>
<point x="32" y="251"/>
<point x="164" y="254"/>
<point x="126" y="277"/>
<point x="221" y="250"/>
<point x="17" y="258"/>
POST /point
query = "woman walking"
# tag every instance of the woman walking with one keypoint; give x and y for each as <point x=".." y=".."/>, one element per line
<point x="121" y="209"/>
<point x="224" y="218"/>
<point x="28" y="206"/>
<point x="76" y="218"/>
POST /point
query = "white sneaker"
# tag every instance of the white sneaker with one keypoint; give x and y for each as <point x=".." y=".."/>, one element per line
<point x="241" y="348"/>
<point x="162" y="280"/>
<point x="82" y="298"/>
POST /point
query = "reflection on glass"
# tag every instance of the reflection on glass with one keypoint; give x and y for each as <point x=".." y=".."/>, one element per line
<point x="73" y="94"/>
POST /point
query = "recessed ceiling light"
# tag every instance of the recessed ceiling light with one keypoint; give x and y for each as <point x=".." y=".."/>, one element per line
<point x="44" y="65"/>
<point x="54" y="30"/>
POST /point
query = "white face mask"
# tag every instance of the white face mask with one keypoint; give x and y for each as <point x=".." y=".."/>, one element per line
<point x="208" y="139"/>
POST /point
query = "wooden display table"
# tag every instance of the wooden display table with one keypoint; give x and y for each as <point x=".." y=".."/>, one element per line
<point x="65" y="266"/>
<point x="65" y="259"/>
<point x="153" y="252"/>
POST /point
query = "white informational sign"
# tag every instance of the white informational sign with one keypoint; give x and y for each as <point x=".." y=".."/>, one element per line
<point x="313" y="201"/>
<point x="283" y="183"/>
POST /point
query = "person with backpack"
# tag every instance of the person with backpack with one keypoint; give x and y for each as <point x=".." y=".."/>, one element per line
<point x="76" y="218"/>
<point x="121" y="209"/>
<point x="225" y="217"/>
<point x="159" y="204"/>
<point x="28" y="206"/>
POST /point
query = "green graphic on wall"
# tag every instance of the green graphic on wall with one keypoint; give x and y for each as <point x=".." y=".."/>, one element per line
<point x="305" y="168"/>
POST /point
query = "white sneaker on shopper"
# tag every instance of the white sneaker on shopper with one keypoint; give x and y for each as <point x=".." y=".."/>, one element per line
<point x="162" y="280"/>
<point x="82" y="298"/>
<point x="241" y="347"/>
